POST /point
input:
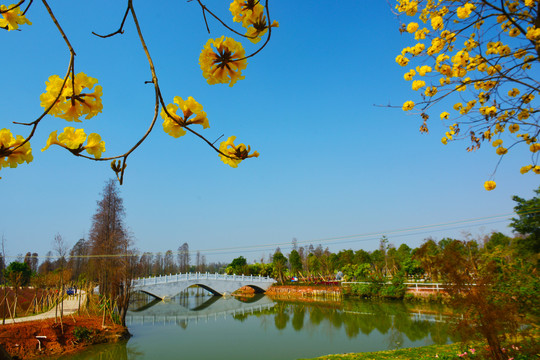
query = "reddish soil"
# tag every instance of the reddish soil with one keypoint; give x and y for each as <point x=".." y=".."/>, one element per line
<point x="27" y="301"/>
<point x="20" y="341"/>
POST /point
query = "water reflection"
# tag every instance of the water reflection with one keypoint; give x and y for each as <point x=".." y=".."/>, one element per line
<point x="186" y="326"/>
<point x="393" y="318"/>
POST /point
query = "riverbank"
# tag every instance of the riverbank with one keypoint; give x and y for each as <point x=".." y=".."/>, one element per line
<point x="33" y="339"/>
<point x="451" y="351"/>
<point x="457" y="351"/>
<point x="335" y="292"/>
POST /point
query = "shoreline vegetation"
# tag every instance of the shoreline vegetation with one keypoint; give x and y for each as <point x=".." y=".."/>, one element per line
<point x="25" y="340"/>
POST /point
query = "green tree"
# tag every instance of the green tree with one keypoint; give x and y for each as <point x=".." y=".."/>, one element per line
<point x="18" y="274"/>
<point x="528" y="222"/>
<point x="279" y="263"/>
<point x="238" y="265"/>
<point x="295" y="261"/>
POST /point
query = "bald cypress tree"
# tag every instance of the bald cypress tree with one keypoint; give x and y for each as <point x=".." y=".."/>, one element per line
<point x="112" y="262"/>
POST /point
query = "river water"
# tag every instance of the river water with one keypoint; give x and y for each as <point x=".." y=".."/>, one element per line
<point x="199" y="326"/>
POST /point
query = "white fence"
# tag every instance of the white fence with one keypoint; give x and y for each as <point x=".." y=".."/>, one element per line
<point x="410" y="286"/>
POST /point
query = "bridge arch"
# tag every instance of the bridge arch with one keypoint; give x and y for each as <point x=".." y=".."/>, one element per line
<point x="168" y="286"/>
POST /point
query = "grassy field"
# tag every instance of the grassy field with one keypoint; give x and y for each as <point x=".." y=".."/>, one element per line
<point x="426" y="352"/>
<point x="440" y="352"/>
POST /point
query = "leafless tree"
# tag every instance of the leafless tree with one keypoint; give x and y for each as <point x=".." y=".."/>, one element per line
<point x="184" y="258"/>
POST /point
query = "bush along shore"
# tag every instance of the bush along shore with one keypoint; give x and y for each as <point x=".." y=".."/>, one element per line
<point x="366" y="290"/>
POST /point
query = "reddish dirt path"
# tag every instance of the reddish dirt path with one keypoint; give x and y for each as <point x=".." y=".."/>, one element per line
<point x="20" y="339"/>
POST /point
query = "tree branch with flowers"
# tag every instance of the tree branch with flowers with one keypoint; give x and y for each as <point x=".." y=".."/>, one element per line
<point x="483" y="57"/>
<point x="76" y="96"/>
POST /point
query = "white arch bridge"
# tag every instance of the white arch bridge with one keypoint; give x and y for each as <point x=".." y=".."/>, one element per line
<point x="168" y="286"/>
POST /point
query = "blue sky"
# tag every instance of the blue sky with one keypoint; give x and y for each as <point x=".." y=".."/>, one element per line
<point x="332" y="164"/>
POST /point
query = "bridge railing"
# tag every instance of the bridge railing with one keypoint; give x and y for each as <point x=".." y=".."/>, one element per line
<point x="197" y="276"/>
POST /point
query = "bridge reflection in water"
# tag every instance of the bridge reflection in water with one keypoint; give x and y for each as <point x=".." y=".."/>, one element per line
<point x="213" y="308"/>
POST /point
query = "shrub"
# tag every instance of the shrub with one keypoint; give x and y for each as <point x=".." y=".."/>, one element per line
<point x="82" y="333"/>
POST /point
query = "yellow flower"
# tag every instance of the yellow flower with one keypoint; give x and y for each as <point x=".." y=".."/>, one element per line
<point x="536" y="169"/>
<point x="174" y="125"/>
<point x="402" y="60"/>
<point x="533" y="33"/>
<point x="514" y="92"/>
<point x="52" y="140"/>
<point x="13" y="18"/>
<point x="501" y="151"/>
<point x="409" y="75"/>
<point x="497" y="142"/>
<point x="245" y="10"/>
<point x="232" y="154"/>
<point x="408" y="105"/>
<point x="71" y="138"/>
<point x="527" y="98"/>
<point x="431" y="91"/>
<point x="72" y="102"/>
<point x="423" y="70"/>
<point x="464" y="11"/>
<point x="95" y="146"/>
<point x="421" y="34"/>
<point x="12" y="150"/>
<point x="525" y="169"/>
<point x="437" y="23"/>
<point x="412" y="27"/>
<point x="524" y="114"/>
<point x="225" y="64"/>
<point x="490" y="185"/>
<point x="417" y="84"/>
<point x="444" y="115"/>
<point x="535" y="147"/>
<point x="444" y="140"/>
<point x="513" y="128"/>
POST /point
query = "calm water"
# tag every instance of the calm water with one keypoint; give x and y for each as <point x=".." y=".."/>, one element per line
<point x="205" y="327"/>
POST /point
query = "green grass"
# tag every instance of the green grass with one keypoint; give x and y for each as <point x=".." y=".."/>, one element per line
<point x="450" y="351"/>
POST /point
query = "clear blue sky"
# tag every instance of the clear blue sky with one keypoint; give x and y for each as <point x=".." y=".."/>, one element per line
<point x="332" y="163"/>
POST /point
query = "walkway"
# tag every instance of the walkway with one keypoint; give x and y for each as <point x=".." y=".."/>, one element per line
<point x="71" y="305"/>
<point x="168" y="286"/>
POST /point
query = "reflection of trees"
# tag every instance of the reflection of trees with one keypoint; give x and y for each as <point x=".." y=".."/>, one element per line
<point x="182" y="323"/>
<point x="299" y="312"/>
<point x="439" y="333"/>
<point x="395" y="341"/>
<point x="282" y="317"/>
<point x="316" y="315"/>
<point x="240" y="317"/>
<point x="336" y="318"/>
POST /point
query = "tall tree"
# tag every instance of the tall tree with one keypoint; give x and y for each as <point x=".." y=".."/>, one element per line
<point x="78" y="259"/>
<point x="295" y="262"/>
<point x="184" y="258"/>
<point x="110" y="247"/>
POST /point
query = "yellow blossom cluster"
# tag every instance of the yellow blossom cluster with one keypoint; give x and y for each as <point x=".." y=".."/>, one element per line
<point x="486" y="70"/>
<point x="251" y="14"/>
<point x="232" y="154"/>
<point x="66" y="99"/>
<point x="11" y="17"/>
<point x="13" y="150"/>
<point x="222" y="61"/>
<point x="75" y="96"/>
<point x="73" y="140"/>
<point x="174" y="124"/>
